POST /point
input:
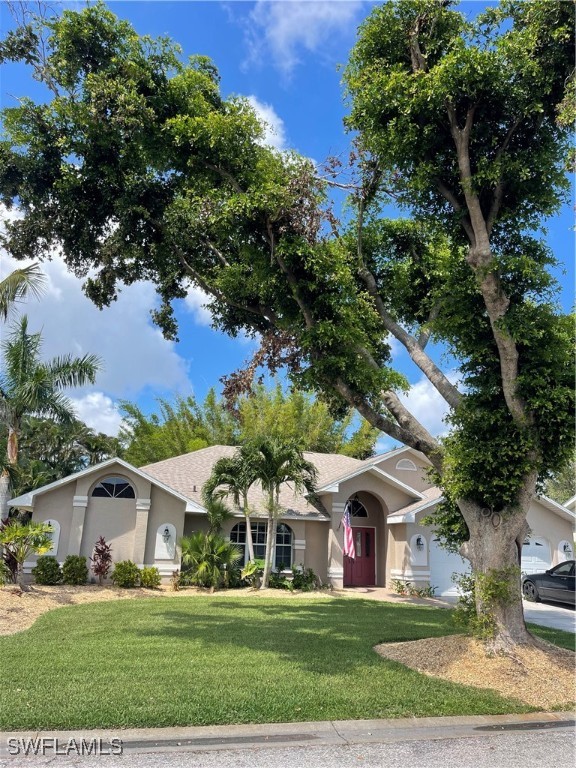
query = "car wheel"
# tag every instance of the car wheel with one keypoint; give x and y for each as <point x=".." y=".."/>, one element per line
<point x="530" y="592"/>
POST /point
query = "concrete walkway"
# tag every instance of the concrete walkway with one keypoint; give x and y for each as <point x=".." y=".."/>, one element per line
<point x="237" y="737"/>
<point x="546" y="614"/>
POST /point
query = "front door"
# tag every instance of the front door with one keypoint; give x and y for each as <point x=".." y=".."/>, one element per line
<point x="361" y="572"/>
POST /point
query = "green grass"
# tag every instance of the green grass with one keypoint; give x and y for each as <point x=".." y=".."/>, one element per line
<point x="556" y="636"/>
<point x="190" y="661"/>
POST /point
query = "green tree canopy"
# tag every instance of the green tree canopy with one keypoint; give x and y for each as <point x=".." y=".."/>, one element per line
<point x="49" y="450"/>
<point x="139" y="167"/>
<point x="285" y="415"/>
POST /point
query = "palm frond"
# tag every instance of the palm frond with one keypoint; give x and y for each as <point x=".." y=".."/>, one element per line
<point x="18" y="285"/>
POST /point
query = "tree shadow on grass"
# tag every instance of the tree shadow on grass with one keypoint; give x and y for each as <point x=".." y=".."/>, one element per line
<point x="317" y="637"/>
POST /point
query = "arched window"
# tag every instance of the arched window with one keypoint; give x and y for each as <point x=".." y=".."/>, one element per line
<point x="406" y="464"/>
<point x="114" y="488"/>
<point x="356" y="508"/>
<point x="284" y="542"/>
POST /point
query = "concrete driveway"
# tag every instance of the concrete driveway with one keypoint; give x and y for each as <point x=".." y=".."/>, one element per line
<point x="550" y="615"/>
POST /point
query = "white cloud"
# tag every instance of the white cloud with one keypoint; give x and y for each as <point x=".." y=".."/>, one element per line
<point x="98" y="411"/>
<point x="134" y="354"/>
<point x="275" y="133"/>
<point x="195" y="302"/>
<point x="282" y="29"/>
<point x="427" y="405"/>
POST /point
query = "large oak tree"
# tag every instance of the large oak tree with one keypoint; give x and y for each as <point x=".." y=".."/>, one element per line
<point x="138" y="168"/>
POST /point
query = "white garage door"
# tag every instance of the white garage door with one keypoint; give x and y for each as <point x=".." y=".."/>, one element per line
<point x="536" y="555"/>
<point x="442" y="565"/>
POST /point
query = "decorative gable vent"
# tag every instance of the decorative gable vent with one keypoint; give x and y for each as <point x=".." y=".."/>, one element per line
<point x="407" y="464"/>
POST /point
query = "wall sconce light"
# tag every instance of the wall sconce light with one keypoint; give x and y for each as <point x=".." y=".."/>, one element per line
<point x="166" y="535"/>
<point x="567" y="549"/>
<point x="419" y="543"/>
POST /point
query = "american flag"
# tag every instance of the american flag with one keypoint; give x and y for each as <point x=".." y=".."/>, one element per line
<point x="348" y="535"/>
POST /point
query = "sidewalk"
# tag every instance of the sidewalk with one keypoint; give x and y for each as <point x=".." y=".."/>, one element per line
<point x="343" y="732"/>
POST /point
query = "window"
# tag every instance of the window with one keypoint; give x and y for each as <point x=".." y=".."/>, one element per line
<point x="406" y="464"/>
<point x="565" y="569"/>
<point x="114" y="488"/>
<point x="357" y="509"/>
<point x="284" y="540"/>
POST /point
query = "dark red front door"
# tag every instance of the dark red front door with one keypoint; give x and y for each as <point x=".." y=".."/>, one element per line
<point x="361" y="572"/>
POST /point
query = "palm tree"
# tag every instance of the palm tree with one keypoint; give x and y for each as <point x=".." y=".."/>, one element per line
<point x="217" y="513"/>
<point x="234" y="477"/>
<point x="276" y="463"/>
<point x="30" y="386"/>
<point x="17" y="285"/>
<point x="209" y="557"/>
<point x="21" y="541"/>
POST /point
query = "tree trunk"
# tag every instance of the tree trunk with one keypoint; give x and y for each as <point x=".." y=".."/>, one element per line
<point x="270" y="538"/>
<point x="249" y="540"/>
<point x="20" y="578"/>
<point x="4" y="495"/>
<point x="494" y="551"/>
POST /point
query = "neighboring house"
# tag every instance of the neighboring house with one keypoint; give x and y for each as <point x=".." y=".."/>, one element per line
<point x="144" y="512"/>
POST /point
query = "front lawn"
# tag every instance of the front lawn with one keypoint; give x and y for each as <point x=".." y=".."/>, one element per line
<point x="180" y="661"/>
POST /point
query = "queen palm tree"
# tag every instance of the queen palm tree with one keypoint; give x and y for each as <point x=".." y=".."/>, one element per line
<point x="276" y="463"/>
<point x="30" y="386"/>
<point x="234" y="476"/>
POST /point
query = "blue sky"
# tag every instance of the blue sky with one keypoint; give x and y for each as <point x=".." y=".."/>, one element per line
<point x="284" y="55"/>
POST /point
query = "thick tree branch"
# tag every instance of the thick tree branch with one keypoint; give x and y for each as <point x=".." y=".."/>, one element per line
<point x="436" y="377"/>
<point x="431" y="449"/>
<point x="426" y="329"/>
<point x="481" y="260"/>
<point x="448" y="195"/>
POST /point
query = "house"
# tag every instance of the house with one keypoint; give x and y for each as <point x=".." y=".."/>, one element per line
<point x="144" y="512"/>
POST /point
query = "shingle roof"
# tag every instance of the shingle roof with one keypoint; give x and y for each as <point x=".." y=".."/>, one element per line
<point x="406" y="514"/>
<point x="189" y="472"/>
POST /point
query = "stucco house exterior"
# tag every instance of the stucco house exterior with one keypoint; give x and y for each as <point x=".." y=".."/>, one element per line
<point x="144" y="512"/>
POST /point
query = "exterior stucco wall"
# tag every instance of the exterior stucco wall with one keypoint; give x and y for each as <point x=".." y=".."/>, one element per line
<point x="316" y="552"/>
<point x="164" y="509"/>
<point x="115" y="519"/>
<point x="194" y="523"/>
<point x="56" y="505"/>
<point x="415" y="479"/>
<point x="549" y="526"/>
<point x="397" y="555"/>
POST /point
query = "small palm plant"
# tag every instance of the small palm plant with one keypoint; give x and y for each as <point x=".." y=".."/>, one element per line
<point x="217" y="513"/>
<point x="209" y="557"/>
<point x="21" y="541"/>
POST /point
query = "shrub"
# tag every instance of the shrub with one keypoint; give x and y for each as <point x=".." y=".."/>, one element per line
<point x="126" y="574"/>
<point x="47" y="571"/>
<point x="175" y="581"/>
<point x="304" y="579"/>
<point x="399" y="586"/>
<point x="75" y="570"/>
<point x="207" y="557"/>
<point x="19" y="542"/>
<point x="6" y="575"/>
<point x="252" y="572"/>
<point x="101" y="559"/>
<point x="150" y="578"/>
